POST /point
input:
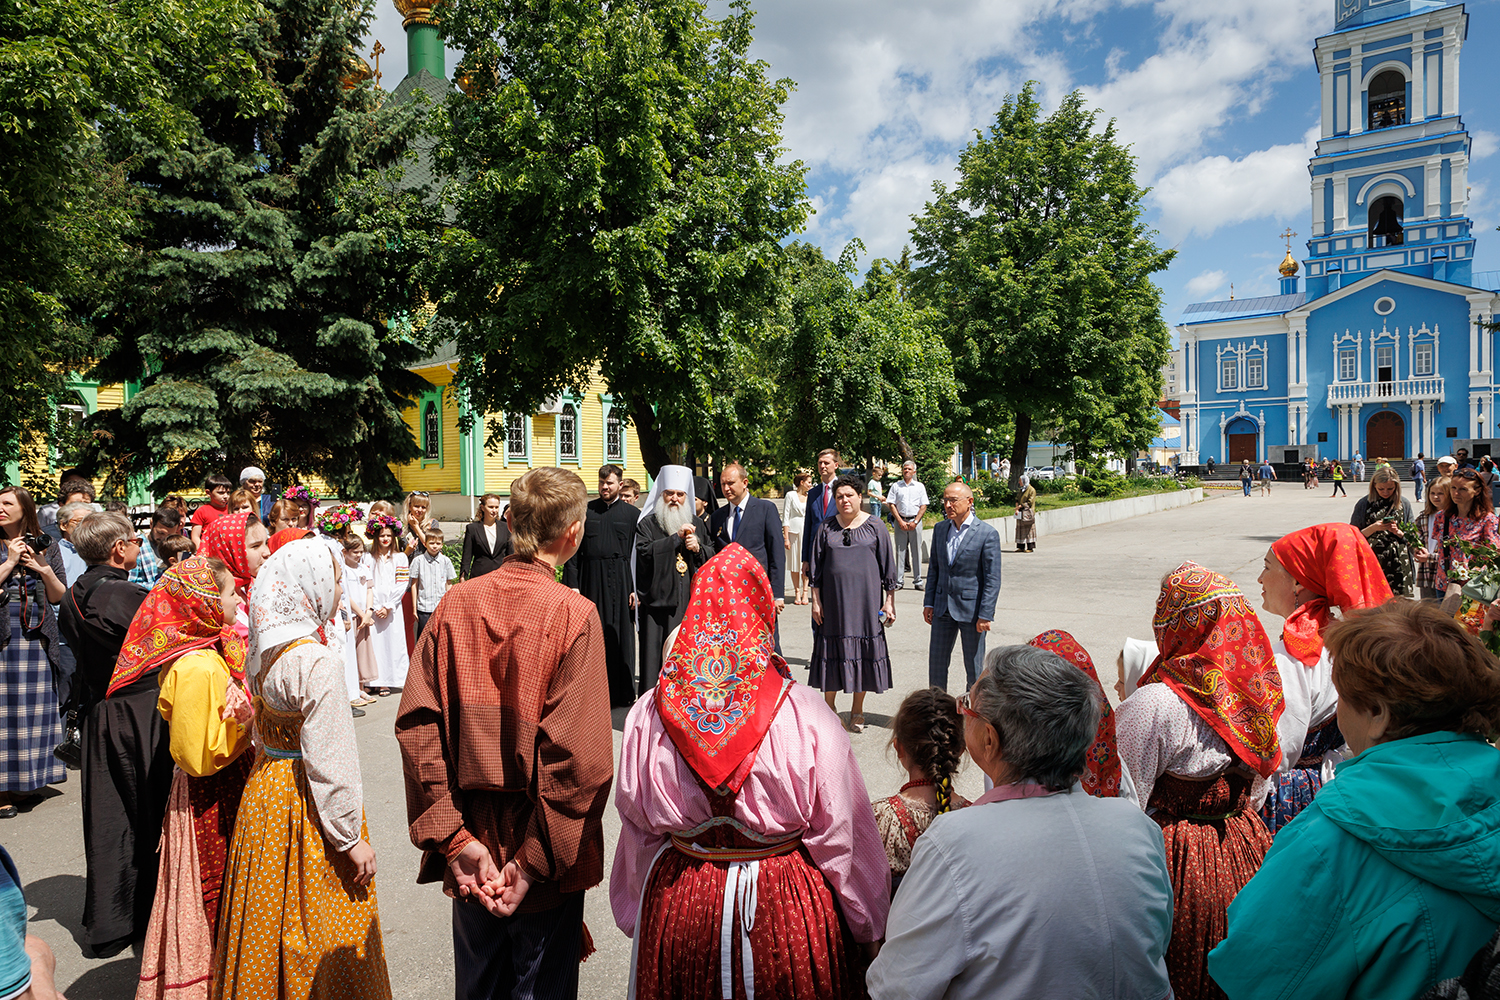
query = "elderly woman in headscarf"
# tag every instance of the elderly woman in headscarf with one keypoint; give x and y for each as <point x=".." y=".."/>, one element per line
<point x="1026" y="517"/>
<point x="747" y="852"/>
<point x="299" y="907"/>
<point x="1199" y="738"/>
<point x="1307" y="574"/>
<point x="185" y="627"/>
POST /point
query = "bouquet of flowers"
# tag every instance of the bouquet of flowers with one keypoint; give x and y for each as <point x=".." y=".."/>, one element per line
<point x="301" y="494"/>
<point x="1479" y="572"/>
<point x="340" y="515"/>
<point x="378" y="521"/>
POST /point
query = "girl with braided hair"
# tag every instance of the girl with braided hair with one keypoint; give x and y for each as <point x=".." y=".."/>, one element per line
<point x="928" y="737"/>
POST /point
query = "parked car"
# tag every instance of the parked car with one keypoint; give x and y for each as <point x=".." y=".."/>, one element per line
<point x="1047" y="472"/>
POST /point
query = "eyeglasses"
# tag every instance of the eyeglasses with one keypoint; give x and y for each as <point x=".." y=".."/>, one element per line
<point x="1466" y="473"/>
<point x="418" y="493"/>
<point x="132" y="540"/>
<point x="965" y="709"/>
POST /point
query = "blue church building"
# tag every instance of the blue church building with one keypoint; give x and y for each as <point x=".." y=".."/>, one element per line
<point x="1386" y="351"/>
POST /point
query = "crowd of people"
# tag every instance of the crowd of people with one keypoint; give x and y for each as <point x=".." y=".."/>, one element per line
<point x="1158" y="848"/>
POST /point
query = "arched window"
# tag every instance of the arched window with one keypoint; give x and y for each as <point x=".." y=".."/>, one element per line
<point x="1385" y="222"/>
<point x="515" y="437"/>
<point x="1387" y="99"/>
<point x="567" y="434"/>
<point x="614" y="439"/>
<point x="432" y="433"/>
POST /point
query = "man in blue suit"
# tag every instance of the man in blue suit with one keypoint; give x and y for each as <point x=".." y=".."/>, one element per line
<point x="819" y="506"/>
<point x="963" y="583"/>
<point x="753" y="523"/>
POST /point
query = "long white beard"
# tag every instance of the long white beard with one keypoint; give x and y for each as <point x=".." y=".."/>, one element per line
<point x="671" y="519"/>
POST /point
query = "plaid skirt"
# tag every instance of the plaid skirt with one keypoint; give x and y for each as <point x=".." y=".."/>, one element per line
<point x="30" y="725"/>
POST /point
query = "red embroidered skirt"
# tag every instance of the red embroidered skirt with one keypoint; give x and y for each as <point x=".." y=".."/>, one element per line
<point x="1215" y="845"/>
<point x="802" y="949"/>
<point x="216" y="801"/>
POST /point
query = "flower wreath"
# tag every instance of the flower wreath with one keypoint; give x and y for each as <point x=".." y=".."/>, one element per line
<point x="378" y="521"/>
<point x="339" y="516"/>
<point x="301" y="494"/>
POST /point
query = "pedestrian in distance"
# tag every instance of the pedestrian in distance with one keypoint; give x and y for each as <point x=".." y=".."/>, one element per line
<point x="752" y="522"/>
<point x="1245" y="477"/>
<point x="1338" y="481"/>
<point x="963" y="583"/>
<point x="1267" y="476"/>
<point x="1419" y="474"/>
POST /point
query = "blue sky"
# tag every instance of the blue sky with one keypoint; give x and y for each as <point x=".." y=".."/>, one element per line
<point x="1219" y="101"/>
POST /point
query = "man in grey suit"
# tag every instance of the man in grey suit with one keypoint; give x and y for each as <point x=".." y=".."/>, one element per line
<point x="963" y="583"/>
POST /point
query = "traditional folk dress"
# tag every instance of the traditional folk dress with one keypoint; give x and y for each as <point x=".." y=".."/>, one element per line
<point x="387" y="638"/>
<point x="1195" y="736"/>
<point x="664" y="569"/>
<point x="359" y="660"/>
<point x="901" y="821"/>
<point x="1336" y="563"/>
<point x="602" y="571"/>
<point x="1103" y="776"/>
<point x="748" y="863"/>
<point x="185" y="630"/>
<point x="292" y="923"/>
<point x="224" y="540"/>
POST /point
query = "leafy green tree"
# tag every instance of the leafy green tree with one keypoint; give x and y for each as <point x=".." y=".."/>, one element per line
<point x="622" y="206"/>
<point x="270" y="303"/>
<point x="1042" y="267"/>
<point x="860" y="369"/>
<point x="75" y="75"/>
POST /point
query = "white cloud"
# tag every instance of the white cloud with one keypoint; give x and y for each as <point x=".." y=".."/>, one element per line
<point x="1206" y="284"/>
<point x="1485" y="144"/>
<point x="1199" y="197"/>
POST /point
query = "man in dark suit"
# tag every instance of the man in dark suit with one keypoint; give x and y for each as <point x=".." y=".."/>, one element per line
<point x="753" y="523"/>
<point x="819" y="506"/>
<point x="963" y="583"/>
<point x="486" y="541"/>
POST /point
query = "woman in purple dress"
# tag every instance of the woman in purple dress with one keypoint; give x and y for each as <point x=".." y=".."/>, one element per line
<point x="853" y="599"/>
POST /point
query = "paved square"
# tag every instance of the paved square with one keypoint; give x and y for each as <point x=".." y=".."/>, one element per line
<point x="1098" y="583"/>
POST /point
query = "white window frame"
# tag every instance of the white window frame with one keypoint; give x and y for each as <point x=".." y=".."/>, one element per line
<point x="1229" y="373"/>
<point x="512" y="457"/>
<point x="1423" y="356"/>
<point x="608" y="406"/>
<point x="1348" y="364"/>
<point x="563" y="458"/>
<point x="1255" y="371"/>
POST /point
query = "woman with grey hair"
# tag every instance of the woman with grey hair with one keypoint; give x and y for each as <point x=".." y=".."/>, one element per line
<point x="1073" y="890"/>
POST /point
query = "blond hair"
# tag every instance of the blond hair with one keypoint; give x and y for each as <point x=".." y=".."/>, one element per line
<point x="543" y="504"/>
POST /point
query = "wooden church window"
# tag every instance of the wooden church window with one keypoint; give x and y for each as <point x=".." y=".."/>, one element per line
<point x="567" y="433"/>
<point x="515" y="437"/>
<point x="614" y="442"/>
<point x="432" y="432"/>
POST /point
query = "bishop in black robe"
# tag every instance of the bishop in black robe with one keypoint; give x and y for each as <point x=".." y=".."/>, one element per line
<point x="664" y="568"/>
<point x="601" y="571"/>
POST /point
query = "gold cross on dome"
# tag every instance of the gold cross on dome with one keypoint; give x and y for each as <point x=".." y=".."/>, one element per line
<point x="1288" y="237"/>
<point x="377" y="52"/>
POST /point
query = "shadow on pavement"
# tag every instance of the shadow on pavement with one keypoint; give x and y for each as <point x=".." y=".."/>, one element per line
<point x="107" y="982"/>
<point x="60" y="898"/>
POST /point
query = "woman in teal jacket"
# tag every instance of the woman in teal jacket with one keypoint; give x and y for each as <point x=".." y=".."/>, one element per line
<point x="1390" y="880"/>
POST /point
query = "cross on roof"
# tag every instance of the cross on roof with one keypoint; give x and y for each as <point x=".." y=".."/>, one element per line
<point x="1288" y="237"/>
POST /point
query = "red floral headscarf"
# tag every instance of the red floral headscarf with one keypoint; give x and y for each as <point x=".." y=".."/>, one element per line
<point x="1103" y="775"/>
<point x="181" y="613"/>
<point x="1335" y="562"/>
<point x="1217" y="658"/>
<point x="225" y="540"/>
<point x="723" y="681"/>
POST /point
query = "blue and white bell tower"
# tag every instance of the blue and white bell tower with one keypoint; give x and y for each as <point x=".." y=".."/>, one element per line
<point x="1390" y="177"/>
<point x="1388" y="352"/>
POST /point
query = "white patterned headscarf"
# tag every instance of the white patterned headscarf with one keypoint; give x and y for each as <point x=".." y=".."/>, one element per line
<point x="292" y="597"/>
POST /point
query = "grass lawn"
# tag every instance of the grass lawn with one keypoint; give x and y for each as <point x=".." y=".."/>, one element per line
<point x="1048" y="501"/>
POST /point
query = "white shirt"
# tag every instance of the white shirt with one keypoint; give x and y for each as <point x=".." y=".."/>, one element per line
<point x="907" y="498"/>
<point x="489" y="534"/>
<point x="1060" y="896"/>
<point x="958" y="533"/>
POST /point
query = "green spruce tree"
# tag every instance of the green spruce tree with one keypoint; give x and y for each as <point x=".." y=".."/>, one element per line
<point x="270" y="314"/>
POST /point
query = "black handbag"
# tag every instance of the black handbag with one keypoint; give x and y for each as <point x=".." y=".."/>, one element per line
<point x="70" y="750"/>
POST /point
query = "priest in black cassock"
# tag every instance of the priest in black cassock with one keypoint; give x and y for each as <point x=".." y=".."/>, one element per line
<point x="602" y="571"/>
<point x="671" y="542"/>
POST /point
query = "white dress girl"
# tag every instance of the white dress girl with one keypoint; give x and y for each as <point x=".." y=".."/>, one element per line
<point x="388" y="634"/>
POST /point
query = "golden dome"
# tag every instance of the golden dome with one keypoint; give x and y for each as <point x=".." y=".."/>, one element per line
<point x="1289" y="266"/>
<point x="356" y="72"/>
<point x="414" y="12"/>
